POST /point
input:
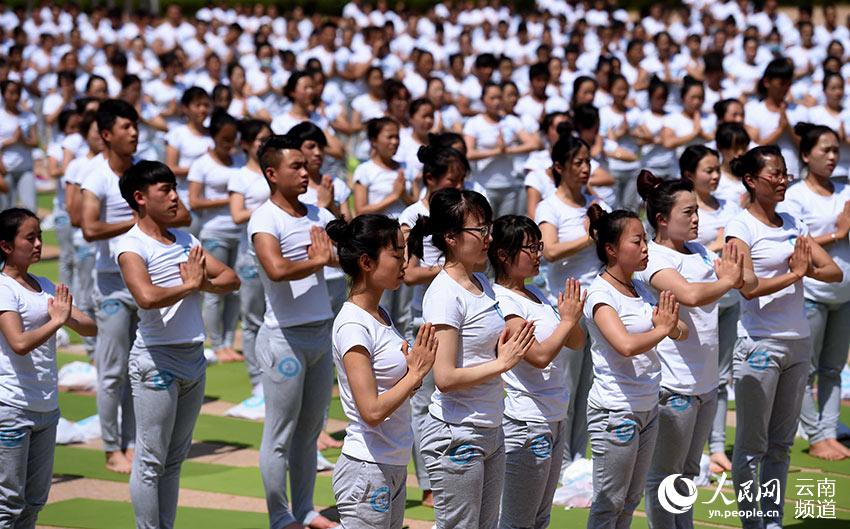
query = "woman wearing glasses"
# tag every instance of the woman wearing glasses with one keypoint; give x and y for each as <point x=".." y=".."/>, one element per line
<point x="536" y="390"/>
<point x="568" y="248"/>
<point x="771" y="360"/>
<point x="689" y="368"/>
<point x="823" y="205"/>
<point x="462" y="441"/>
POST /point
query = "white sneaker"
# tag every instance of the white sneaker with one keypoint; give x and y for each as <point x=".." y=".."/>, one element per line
<point x="322" y="463"/>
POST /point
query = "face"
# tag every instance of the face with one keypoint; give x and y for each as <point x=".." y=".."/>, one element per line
<point x="313" y="155"/>
<point x="12" y="94"/>
<point x="707" y="175"/>
<point x="734" y="113"/>
<point x="399" y="105"/>
<point x="225" y="140"/>
<point x="657" y="100"/>
<point x="586" y="93"/>
<point x="132" y="93"/>
<point x="26" y="247"/>
<point x="577" y="170"/>
<point x="538" y="86"/>
<point x="526" y="263"/>
<point x="834" y="91"/>
<point x="777" y="88"/>
<point x="453" y="178"/>
<point x="693" y="100"/>
<point x="470" y="246"/>
<point x="423" y="119"/>
<point x="304" y="91"/>
<point x="388" y="269"/>
<point x="123" y="137"/>
<point x="254" y="146"/>
<point x="97" y="90"/>
<point x="436" y="91"/>
<point x="771" y="182"/>
<point x="375" y="80"/>
<point x="386" y="144"/>
<point x="198" y="110"/>
<point x="510" y="96"/>
<point x="630" y="251"/>
<point x="619" y="90"/>
<point x="159" y="200"/>
<point x="93" y="138"/>
<point x="290" y="176"/>
<point x="823" y="157"/>
<point x="683" y="222"/>
<point x="492" y="100"/>
<point x="552" y="132"/>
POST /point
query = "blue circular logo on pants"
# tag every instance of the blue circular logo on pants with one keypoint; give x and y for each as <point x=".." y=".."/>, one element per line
<point x="380" y="500"/>
<point x="289" y="367"/>
<point x="461" y="454"/>
<point x="12" y="438"/>
<point x="679" y="402"/>
<point x="625" y="431"/>
<point x="541" y="446"/>
<point x="110" y="306"/>
<point x="759" y="360"/>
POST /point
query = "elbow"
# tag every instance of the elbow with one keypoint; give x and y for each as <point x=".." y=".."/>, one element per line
<point x="145" y="303"/>
<point x="372" y="418"/>
<point x="549" y="255"/>
<point x="536" y="361"/>
<point x="88" y="234"/>
<point x="19" y="349"/>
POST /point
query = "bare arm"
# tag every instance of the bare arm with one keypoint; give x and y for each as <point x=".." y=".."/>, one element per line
<point x="95" y="229"/>
<point x="238" y="211"/>
<point x="555" y="250"/>
<point x="279" y="268"/>
<point x="197" y="200"/>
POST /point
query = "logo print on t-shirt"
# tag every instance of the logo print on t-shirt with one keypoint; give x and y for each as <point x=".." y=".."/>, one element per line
<point x="499" y="310"/>
<point x="462" y="454"/>
<point x="12" y="438"/>
<point x="541" y="446"/>
<point x="289" y="367"/>
<point x="679" y="402"/>
<point x="625" y="431"/>
<point x="792" y="240"/>
<point x="380" y="500"/>
<point x="759" y="360"/>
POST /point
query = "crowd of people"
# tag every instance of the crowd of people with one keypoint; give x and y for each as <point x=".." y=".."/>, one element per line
<point x="508" y="235"/>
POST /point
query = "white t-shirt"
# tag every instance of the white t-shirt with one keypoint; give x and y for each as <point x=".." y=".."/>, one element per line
<point x="190" y="147"/>
<point x="390" y="442"/>
<point x="610" y="119"/>
<point x="620" y="382"/>
<point x="654" y="156"/>
<point x="254" y="189"/>
<point x="583" y="265"/>
<point x="479" y="322"/>
<point x="498" y="171"/>
<point x="379" y="183"/>
<point x="431" y="256"/>
<point x="781" y="314"/>
<point x="682" y="125"/>
<point x="688" y="367"/>
<point x="300" y="301"/>
<point x="28" y="381"/>
<point x="341" y="194"/>
<point x="757" y="115"/>
<point x="731" y="190"/>
<point x="177" y="324"/>
<point x="102" y="181"/>
<point x="214" y="177"/>
<point x="711" y="222"/>
<point x="532" y="394"/>
<point x="819" y="213"/>
<point x="16" y="157"/>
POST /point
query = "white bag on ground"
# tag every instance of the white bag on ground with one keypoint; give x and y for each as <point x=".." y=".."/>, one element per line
<point x="67" y="432"/>
<point x="703" y="480"/>
<point x="90" y="427"/>
<point x="80" y="376"/>
<point x="253" y="408"/>
<point x="576" y="488"/>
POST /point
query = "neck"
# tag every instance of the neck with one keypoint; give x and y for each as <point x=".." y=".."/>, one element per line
<point x="572" y="193"/>
<point x="151" y="228"/>
<point x="820" y="182"/>
<point x="224" y="158"/>
<point x="762" y="209"/>
<point x="383" y="161"/>
<point x="197" y="127"/>
<point x="299" y="110"/>
<point x="15" y="270"/>
<point x="458" y="270"/>
<point x="119" y="163"/>
<point x="366" y="296"/>
<point x="512" y="283"/>
<point x="254" y="165"/>
<point x="663" y="239"/>
<point x="288" y="204"/>
<point x="621" y="272"/>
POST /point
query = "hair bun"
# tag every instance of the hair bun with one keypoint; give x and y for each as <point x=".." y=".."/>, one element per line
<point x="339" y="230"/>
<point x="647" y="183"/>
<point x="596" y="215"/>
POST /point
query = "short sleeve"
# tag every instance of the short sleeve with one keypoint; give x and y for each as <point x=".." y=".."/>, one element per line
<point x="362" y="175"/>
<point x="94" y="183"/>
<point x="8" y="299"/>
<point x="341" y="190"/>
<point x="660" y="260"/>
<point x="440" y="306"/>
<point x="130" y="244"/>
<point x="546" y="213"/>
<point x="738" y="229"/>
<point x="510" y="306"/>
<point x="598" y="297"/>
<point x="172" y="138"/>
<point x="197" y="173"/>
<point x="351" y="334"/>
<point x="262" y="222"/>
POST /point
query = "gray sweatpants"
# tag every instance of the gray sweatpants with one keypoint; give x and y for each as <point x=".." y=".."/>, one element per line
<point x="727" y="335"/>
<point x="221" y="311"/>
<point x="21" y="190"/>
<point x="117" y="320"/>
<point x="622" y="443"/>
<point x="83" y="286"/>
<point x="466" y="467"/>
<point x="419" y="415"/>
<point x="684" y="422"/>
<point x="166" y="407"/>
<point x="252" y="306"/>
<point x="770" y="378"/>
<point x="532" y="469"/>
<point x="27" y="442"/>
<point x="65" y="238"/>
<point x="369" y="495"/>
<point x="626" y="189"/>
<point x="830" y="324"/>
<point x="297" y="378"/>
<point x="507" y="200"/>
<point x="579" y="380"/>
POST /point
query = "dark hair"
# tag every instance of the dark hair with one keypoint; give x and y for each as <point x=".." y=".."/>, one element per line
<point x="781" y="68"/>
<point x="141" y="175"/>
<point x="222" y="88"/>
<point x="64" y="117"/>
<point x="828" y="76"/>
<point x="659" y="194"/>
<point x="810" y="135"/>
<point x="753" y="161"/>
<point x="87" y="118"/>
<point x="565" y="149"/>
<point x="110" y="110"/>
<point x="292" y="82"/>
<point x="692" y="156"/>
<point x="365" y="234"/>
<point x="538" y="69"/>
<point x="437" y="160"/>
<point x="689" y="82"/>
<point x="10" y="222"/>
<point x="655" y="83"/>
<point x="249" y="129"/>
<point x="509" y="233"/>
<point x="486" y="60"/>
<point x="269" y="153"/>
<point x="419" y="103"/>
<point x="580" y="80"/>
<point x="731" y="134"/>
<point x="92" y="79"/>
<point x="376" y="125"/>
<point x="220" y="119"/>
<point x="549" y="118"/>
<point x="585" y="117"/>
<point x="129" y="80"/>
<point x="722" y="106"/>
<point x="448" y="211"/>
<point x="394" y="89"/>
<point x="305" y="131"/>
<point x="606" y="228"/>
<point x="192" y="94"/>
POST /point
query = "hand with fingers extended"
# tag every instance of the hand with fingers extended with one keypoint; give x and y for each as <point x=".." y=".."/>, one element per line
<point x="320" y="250"/>
<point x="59" y="306"/>
<point x="800" y="262"/>
<point x="325" y="192"/>
<point x="511" y="350"/>
<point x="842" y="222"/>
<point x="730" y="266"/>
<point x="420" y="357"/>
<point x="571" y="301"/>
<point x="665" y="315"/>
<point x="193" y="272"/>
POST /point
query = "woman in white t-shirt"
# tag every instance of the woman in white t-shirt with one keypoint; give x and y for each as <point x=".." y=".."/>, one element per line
<point x="772" y="356"/>
<point x="700" y="165"/>
<point x="539" y="183"/>
<point x="823" y="205"/>
<point x="732" y="140"/>
<point x="615" y="125"/>
<point x="625" y="326"/>
<point x="690" y="126"/>
<point x="247" y="190"/>
<point x="32" y="309"/>
<point x="689" y="368"/>
<point x="208" y="178"/>
<point x="492" y="142"/>
<point x="447" y="117"/>
<point x="18" y="137"/>
<point x="654" y="155"/>
<point x="381" y="185"/>
<point x="537" y="394"/>
<point x="462" y="441"/>
<point x="186" y="143"/>
<point x="377" y="371"/>
<point x="832" y="114"/>
<point x="365" y="107"/>
<point x="421" y="124"/>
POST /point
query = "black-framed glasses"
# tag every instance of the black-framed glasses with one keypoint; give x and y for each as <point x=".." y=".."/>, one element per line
<point x="533" y="248"/>
<point x="483" y="231"/>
